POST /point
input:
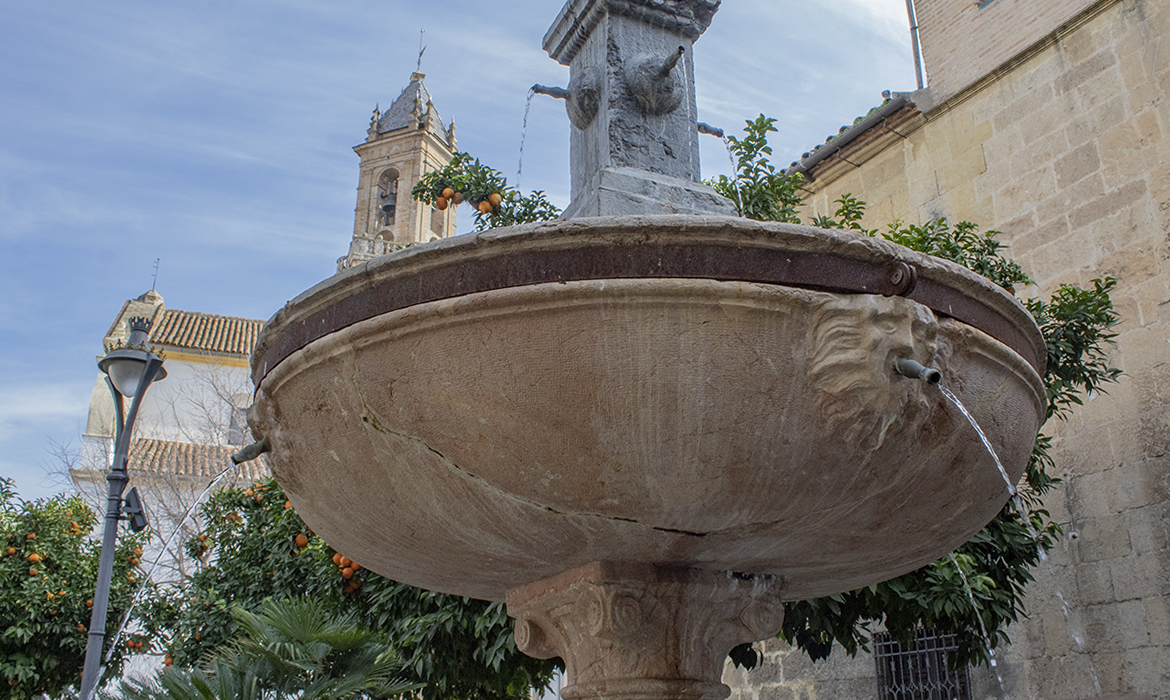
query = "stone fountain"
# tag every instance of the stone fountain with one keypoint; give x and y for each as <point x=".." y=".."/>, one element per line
<point x="645" y="425"/>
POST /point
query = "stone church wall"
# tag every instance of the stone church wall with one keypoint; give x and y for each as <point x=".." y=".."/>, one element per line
<point x="1067" y="152"/>
<point x="963" y="40"/>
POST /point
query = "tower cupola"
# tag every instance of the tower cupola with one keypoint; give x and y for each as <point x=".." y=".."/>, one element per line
<point x="402" y="143"/>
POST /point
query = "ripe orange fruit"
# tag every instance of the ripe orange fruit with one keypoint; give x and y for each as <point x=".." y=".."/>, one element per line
<point x="441" y="203"/>
<point x="448" y="193"/>
<point x="346" y="572"/>
<point x="198" y="636"/>
<point x="89" y="602"/>
<point x="287" y="505"/>
<point x="33" y="572"/>
<point x="202" y="538"/>
<point x="138" y="551"/>
<point x="168" y="661"/>
<point x="337" y="558"/>
<point x="31" y="536"/>
<point x="485" y="207"/>
<point x="345" y="562"/>
<point x="34" y="557"/>
<point x="49" y="595"/>
<point x="10" y="550"/>
<point x="458" y="198"/>
<point x="356" y="566"/>
<point x="302" y="541"/>
<point x="52" y="612"/>
<point x="80" y="627"/>
<point x="495" y="199"/>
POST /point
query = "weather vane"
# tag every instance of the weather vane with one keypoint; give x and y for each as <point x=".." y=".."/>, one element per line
<point x="154" y="280"/>
<point x="421" y="49"/>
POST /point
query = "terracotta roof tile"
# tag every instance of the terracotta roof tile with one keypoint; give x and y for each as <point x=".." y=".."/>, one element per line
<point x="189" y="330"/>
<point x="162" y="457"/>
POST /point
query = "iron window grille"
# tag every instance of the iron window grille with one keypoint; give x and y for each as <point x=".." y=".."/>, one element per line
<point x="921" y="671"/>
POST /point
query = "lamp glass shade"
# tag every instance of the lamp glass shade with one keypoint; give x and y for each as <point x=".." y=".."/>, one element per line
<point x="125" y="373"/>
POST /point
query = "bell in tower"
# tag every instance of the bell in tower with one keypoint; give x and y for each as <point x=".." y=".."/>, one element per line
<point x="403" y="142"/>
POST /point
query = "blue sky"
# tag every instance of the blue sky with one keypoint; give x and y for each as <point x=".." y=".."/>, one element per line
<point x="217" y="136"/>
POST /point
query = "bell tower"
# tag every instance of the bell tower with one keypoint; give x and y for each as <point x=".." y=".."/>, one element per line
<point x="402" y="143"/>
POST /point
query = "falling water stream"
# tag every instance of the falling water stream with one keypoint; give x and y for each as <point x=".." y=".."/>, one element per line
<point x="982" y="627"/>
<point x="523" y="135"/>
<point x="734" y="177"/>
<point x="986" y="443"/>
<point x="1022" y="510"/>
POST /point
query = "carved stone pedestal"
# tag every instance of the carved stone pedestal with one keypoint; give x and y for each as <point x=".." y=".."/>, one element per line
<point x="641" y="632"/>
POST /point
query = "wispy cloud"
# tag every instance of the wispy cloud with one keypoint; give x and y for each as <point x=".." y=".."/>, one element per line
<point x="25" y="404"/>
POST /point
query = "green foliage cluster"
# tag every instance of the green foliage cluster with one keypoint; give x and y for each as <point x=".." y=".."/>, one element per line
<point x="961" y="243"/>
<point x="293" y="648"/>
<point x="758" y="190"/>
<point x="44" y="616"/>
<point x="475" y="182"/>
<point x="1076" y="324"/>
<point x="452" y="646"/>
<point x="997" y="562"/>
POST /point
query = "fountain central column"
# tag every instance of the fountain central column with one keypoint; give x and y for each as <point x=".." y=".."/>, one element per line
<point x="634" y="147"/>
<point x="630" y="631"/>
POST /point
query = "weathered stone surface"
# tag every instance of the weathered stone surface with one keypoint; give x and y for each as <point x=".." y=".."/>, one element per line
<point x="629" y="631"/>
<point x="635" y="150"/>
<point x="724" y="425"/>
<point x="629" y="191"/>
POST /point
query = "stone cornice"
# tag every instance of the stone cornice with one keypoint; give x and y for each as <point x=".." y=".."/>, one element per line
<point x="578" y="19"/>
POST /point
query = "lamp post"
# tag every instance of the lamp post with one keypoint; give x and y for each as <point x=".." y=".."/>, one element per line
<point x="129" y="371"/>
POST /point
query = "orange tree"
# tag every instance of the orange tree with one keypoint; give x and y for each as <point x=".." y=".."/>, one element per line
<point x="255" y="547"/>
<point x="486" y="190"/>
<point x="48" y="566"/>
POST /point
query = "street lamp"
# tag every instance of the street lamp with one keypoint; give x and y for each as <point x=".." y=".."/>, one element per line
<point x="129" y="370"/>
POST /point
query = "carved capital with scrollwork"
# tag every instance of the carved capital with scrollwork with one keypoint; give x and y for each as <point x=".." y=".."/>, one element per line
<point x="641" y="631"/>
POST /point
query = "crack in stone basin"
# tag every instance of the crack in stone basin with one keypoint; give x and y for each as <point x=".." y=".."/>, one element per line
<point x="374" y="424"/>
<point x="525" y="431"/>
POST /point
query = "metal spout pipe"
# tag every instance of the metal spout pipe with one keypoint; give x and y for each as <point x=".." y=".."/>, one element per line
<point x="705" y="128"/>
<point x="252" y="451"/>
<point x="559" y="93"/>
<point x="909" y="368"/>
<point x="670" y="62"/>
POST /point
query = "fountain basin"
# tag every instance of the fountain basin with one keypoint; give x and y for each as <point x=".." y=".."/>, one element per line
<point x="484" y="412"/>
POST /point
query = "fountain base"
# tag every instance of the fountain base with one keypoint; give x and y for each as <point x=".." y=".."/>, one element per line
<point x="627" y="191"/>
<point x="630" y="631"/>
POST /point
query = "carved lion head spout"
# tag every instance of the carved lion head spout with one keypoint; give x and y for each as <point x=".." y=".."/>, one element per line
<point x="855" y="340"/>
